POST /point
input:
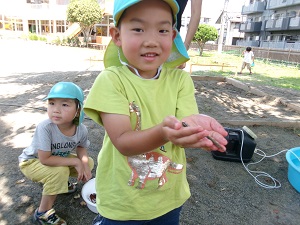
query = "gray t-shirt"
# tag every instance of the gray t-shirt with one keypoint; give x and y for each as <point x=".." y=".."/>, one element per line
<point x="47" y="137"/>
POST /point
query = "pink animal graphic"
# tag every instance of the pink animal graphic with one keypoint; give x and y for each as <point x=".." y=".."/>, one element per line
<point x="150" y="166"/>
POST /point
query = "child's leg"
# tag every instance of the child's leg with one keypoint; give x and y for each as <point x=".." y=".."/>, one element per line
<point x="249" y="67"/>
<point x="54" y="178"/>
<point x="243" y="67"/>
<point x="47" y="202"/>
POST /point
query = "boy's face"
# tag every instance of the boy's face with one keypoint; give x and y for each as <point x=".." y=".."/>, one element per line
<point x="146" y="35"/>
<point x="62" y="111"/>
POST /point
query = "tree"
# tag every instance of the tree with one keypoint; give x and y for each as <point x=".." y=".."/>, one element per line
<point x="85" y="12"/>
<point x="204" y="34"/>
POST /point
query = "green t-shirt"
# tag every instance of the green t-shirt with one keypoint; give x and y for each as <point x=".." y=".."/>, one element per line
<point x="171" y="94"/>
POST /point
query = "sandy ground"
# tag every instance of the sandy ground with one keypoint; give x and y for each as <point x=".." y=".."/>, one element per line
<point x="223" y="192"/>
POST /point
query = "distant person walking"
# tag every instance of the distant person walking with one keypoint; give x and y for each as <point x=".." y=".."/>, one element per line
<point x="248" y="59"/>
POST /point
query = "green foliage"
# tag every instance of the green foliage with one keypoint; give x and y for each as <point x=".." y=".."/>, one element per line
<point x="204" y="34"/>
<point x="57" y="41"/>
<point x="33" y="37"/>
<point x="42" y="38"/>
<point x="85" y="12"/>
<point x="73" y="42"/>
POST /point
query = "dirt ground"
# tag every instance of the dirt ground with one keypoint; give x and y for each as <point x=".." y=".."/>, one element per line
<point x="223" y="192"/>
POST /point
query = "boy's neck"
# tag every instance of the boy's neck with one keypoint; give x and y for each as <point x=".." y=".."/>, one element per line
<point x="136" y="72"/>
<point x="67" y="129"/>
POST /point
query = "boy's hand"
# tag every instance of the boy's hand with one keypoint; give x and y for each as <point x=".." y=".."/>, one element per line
<point x="87" y="175"/>
<point x="201" y="132"/>
<point x="84" y="172"/>
<point x="80" y="170"/>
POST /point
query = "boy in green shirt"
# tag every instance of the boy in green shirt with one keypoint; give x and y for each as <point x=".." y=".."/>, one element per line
<point x="141" y="99"/>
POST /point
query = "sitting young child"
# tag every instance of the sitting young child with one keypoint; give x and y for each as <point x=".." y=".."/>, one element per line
<point x="48" y="159"/>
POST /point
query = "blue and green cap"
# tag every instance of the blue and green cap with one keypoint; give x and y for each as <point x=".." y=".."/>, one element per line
<point x="178" y="55"/>
<point x="68" y="90"/>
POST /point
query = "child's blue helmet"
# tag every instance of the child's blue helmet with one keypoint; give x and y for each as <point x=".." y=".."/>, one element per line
<point x="68" y="90"/>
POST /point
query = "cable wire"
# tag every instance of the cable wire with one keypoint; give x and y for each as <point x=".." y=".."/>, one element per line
<point x="261" y="174"/>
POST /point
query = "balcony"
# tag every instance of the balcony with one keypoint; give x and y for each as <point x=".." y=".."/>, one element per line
<point x="250" y="27"/>
<point x="281" y="45"/>
<point x="236" y="33"/>
<point x="275" y="4"/>
<point x="256" y="7"/>
<point x="272" y="44"/>
<point x="294" y="23"/>
<point x="247" y="43"/>
<point x="277" y="24"/>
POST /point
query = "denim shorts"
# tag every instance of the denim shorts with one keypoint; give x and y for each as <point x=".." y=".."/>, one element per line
<point x="170" y="218"/>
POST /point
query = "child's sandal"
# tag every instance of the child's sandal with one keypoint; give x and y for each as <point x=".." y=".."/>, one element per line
<point x="71" y="187"/>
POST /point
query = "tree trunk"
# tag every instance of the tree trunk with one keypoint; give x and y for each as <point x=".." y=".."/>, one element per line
<point x="201" y="47"/>
<point x="86" y="34"/>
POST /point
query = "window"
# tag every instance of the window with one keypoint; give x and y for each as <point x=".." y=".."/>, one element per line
<point x="206" y="20"/>
<point x="17" y="25"/>
<point x="45" y="26"/>
<point x="102" y="29"/>
<point x="292" y="14"/>
<point x="292" y="38"/>
<point x="60" y="26"/>
<point x="276" y="16"/>
<point x="62" y="2"/>
<point x="236" y="26"/>
<point x="37" y="1"/>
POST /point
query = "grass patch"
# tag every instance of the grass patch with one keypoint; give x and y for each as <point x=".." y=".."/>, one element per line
<point x="264" y="73"/>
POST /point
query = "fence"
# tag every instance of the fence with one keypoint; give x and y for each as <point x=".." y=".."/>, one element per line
<point x="281" y="55"/>
<point x="223" y="65"/>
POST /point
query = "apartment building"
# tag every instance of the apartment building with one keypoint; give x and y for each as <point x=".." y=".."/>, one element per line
<point x="211" y="14"/>
<point x="232" y="33"/>
<point x="45" y="17"/>
<point x="271" y="24"/>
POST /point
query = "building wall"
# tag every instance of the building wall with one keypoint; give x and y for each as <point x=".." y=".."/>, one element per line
<point x="278" y="23"/>
<point x="43" y="17"/>
<point x="210" y="13"/>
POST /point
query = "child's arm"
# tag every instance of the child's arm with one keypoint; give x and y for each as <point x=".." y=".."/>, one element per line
<point x="85" y="174"/>
<point x="130" y="142"/>
<point x="80" y="163"/>
<point x="47" y="159"/>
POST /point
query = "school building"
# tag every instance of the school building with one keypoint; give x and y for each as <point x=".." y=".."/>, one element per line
<point x="45" y="17"/>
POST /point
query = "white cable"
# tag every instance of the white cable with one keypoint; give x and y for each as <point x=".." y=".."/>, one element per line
<point x="276" y="183"/>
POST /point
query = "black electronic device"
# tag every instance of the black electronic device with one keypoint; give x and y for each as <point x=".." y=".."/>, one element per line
<point x="241" y="145"/>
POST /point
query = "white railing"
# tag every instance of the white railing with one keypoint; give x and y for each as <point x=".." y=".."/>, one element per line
<point x="281" y="45"/>
<point x="269" y="23"/>
<point x="254" y="7"/>
<point x="272" y="4"/>
<point x="295" y="21"/>
<point x="278" y="23"/>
